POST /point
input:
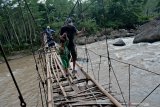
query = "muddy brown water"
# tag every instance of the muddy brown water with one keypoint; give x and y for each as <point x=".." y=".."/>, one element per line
<point x="142" y="83"/>
<point x="26" y="76"/>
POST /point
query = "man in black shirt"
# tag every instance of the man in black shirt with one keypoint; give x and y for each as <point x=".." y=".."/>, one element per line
<point x="71" y="31"/>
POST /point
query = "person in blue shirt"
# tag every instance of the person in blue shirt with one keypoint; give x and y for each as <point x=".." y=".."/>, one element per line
<point x="49" y="32"/>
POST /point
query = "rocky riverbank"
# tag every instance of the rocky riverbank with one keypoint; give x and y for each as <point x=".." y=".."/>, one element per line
<point x="16" y="55"/>
<point x="148" y="32"/>
<point x="109" y="33"/>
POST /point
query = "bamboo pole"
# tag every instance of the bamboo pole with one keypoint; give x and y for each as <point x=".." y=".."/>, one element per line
<point x="61" y="69"/>
<point x="62" y="89"/>
<point x="58" y="62"/>
<point x="60" y="85"/>
<point x="49" y="101"/>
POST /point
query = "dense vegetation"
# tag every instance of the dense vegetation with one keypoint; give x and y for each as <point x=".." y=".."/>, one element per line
<point x="18" y="29"/>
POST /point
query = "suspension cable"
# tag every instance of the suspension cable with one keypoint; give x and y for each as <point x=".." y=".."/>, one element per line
<point x="148" y="95"/>
<point x="88" y="58"/>
<point x="129" y="74"/>
<point x="118" y="85"/>
<point x="22" y="102"/>
<point x="111" y="68"/>
<point x="72" y="9"/>
<point x="30" y="12"/>
<point x="32" y="44"/>
<point x="109" y="64"/>
<point x="88" y="6"/>
<point x="125" y="63"/>
<point x="33" y="54"/>
<point x="136" y="66"/>
<point x="91" y="65"/>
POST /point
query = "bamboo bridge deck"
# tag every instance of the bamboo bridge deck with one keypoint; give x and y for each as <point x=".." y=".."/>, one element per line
<point x="78" y="90"/>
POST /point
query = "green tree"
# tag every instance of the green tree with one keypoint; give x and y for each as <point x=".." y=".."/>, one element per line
<point x="158" y="8"/>
<point x="124" y="13"/>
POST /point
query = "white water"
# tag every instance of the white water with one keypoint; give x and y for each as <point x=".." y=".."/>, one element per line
<point x="143" y="55"/>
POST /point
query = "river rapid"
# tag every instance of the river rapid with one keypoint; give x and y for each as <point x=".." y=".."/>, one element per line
<point x="143" y="55"/>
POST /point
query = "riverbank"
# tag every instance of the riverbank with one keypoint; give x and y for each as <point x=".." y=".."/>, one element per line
<point x="106" y="33"/>
<point x="16" y="55"/>
<point x="148" y="32"/>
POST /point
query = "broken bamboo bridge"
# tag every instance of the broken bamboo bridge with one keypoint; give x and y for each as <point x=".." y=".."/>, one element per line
<point x="75" y="90"/>
<point x="79" y="90"/>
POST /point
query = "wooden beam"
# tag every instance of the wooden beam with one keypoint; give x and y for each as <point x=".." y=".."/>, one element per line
<point x="49" y="93"/>
<point x="113" y="100"/>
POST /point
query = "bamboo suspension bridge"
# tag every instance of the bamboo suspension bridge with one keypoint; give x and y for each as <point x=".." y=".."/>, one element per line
<point x="78" y="90"/>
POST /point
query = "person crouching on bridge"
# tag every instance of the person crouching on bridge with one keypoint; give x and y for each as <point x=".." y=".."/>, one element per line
<point x="64" y="52"/>
<point x="49" y="32"/>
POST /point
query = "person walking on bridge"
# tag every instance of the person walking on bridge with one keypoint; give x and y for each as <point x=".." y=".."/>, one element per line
<point x="63" y="51"/>
<point x="49" y="32"/>
<point x="71" y="31"/>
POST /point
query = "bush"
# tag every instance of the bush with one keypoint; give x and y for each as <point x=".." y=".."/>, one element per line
<point x="114" y="24"/>
<point x="7" y="48"/>
<point x="90" y="26"/>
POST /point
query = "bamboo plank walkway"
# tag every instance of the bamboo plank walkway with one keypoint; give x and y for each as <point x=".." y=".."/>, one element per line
<point x="80" y="90"/>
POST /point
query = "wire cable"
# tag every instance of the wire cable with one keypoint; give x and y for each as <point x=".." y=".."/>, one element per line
<point x="22" y="102"/>
<point x="148" y="95"/>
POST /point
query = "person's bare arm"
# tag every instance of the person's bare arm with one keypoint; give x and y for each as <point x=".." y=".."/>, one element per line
<point x="79" y="33"/>
<point x="63" y="35"/>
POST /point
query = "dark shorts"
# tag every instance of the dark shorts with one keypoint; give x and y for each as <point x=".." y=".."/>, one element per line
<point x="73" y="52"/>
<point x="50" y="42"/>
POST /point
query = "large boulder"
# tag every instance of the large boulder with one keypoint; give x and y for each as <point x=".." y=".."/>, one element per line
<point x="120" y="42"/>
<point x="150" y="25"/>
<point x="150" y="35"/>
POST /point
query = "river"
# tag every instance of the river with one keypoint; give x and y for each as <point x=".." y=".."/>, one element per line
<point x="143" y="55"/>
<point x="26" y="76"/>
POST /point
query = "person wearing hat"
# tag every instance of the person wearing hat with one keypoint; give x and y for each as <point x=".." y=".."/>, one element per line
<point x="71" y="31"/>
<point x="49" y="33"/>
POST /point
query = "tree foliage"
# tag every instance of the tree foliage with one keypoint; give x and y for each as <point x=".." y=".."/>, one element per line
<point x="18" y="28"/>
<point x="158" y="7"/>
